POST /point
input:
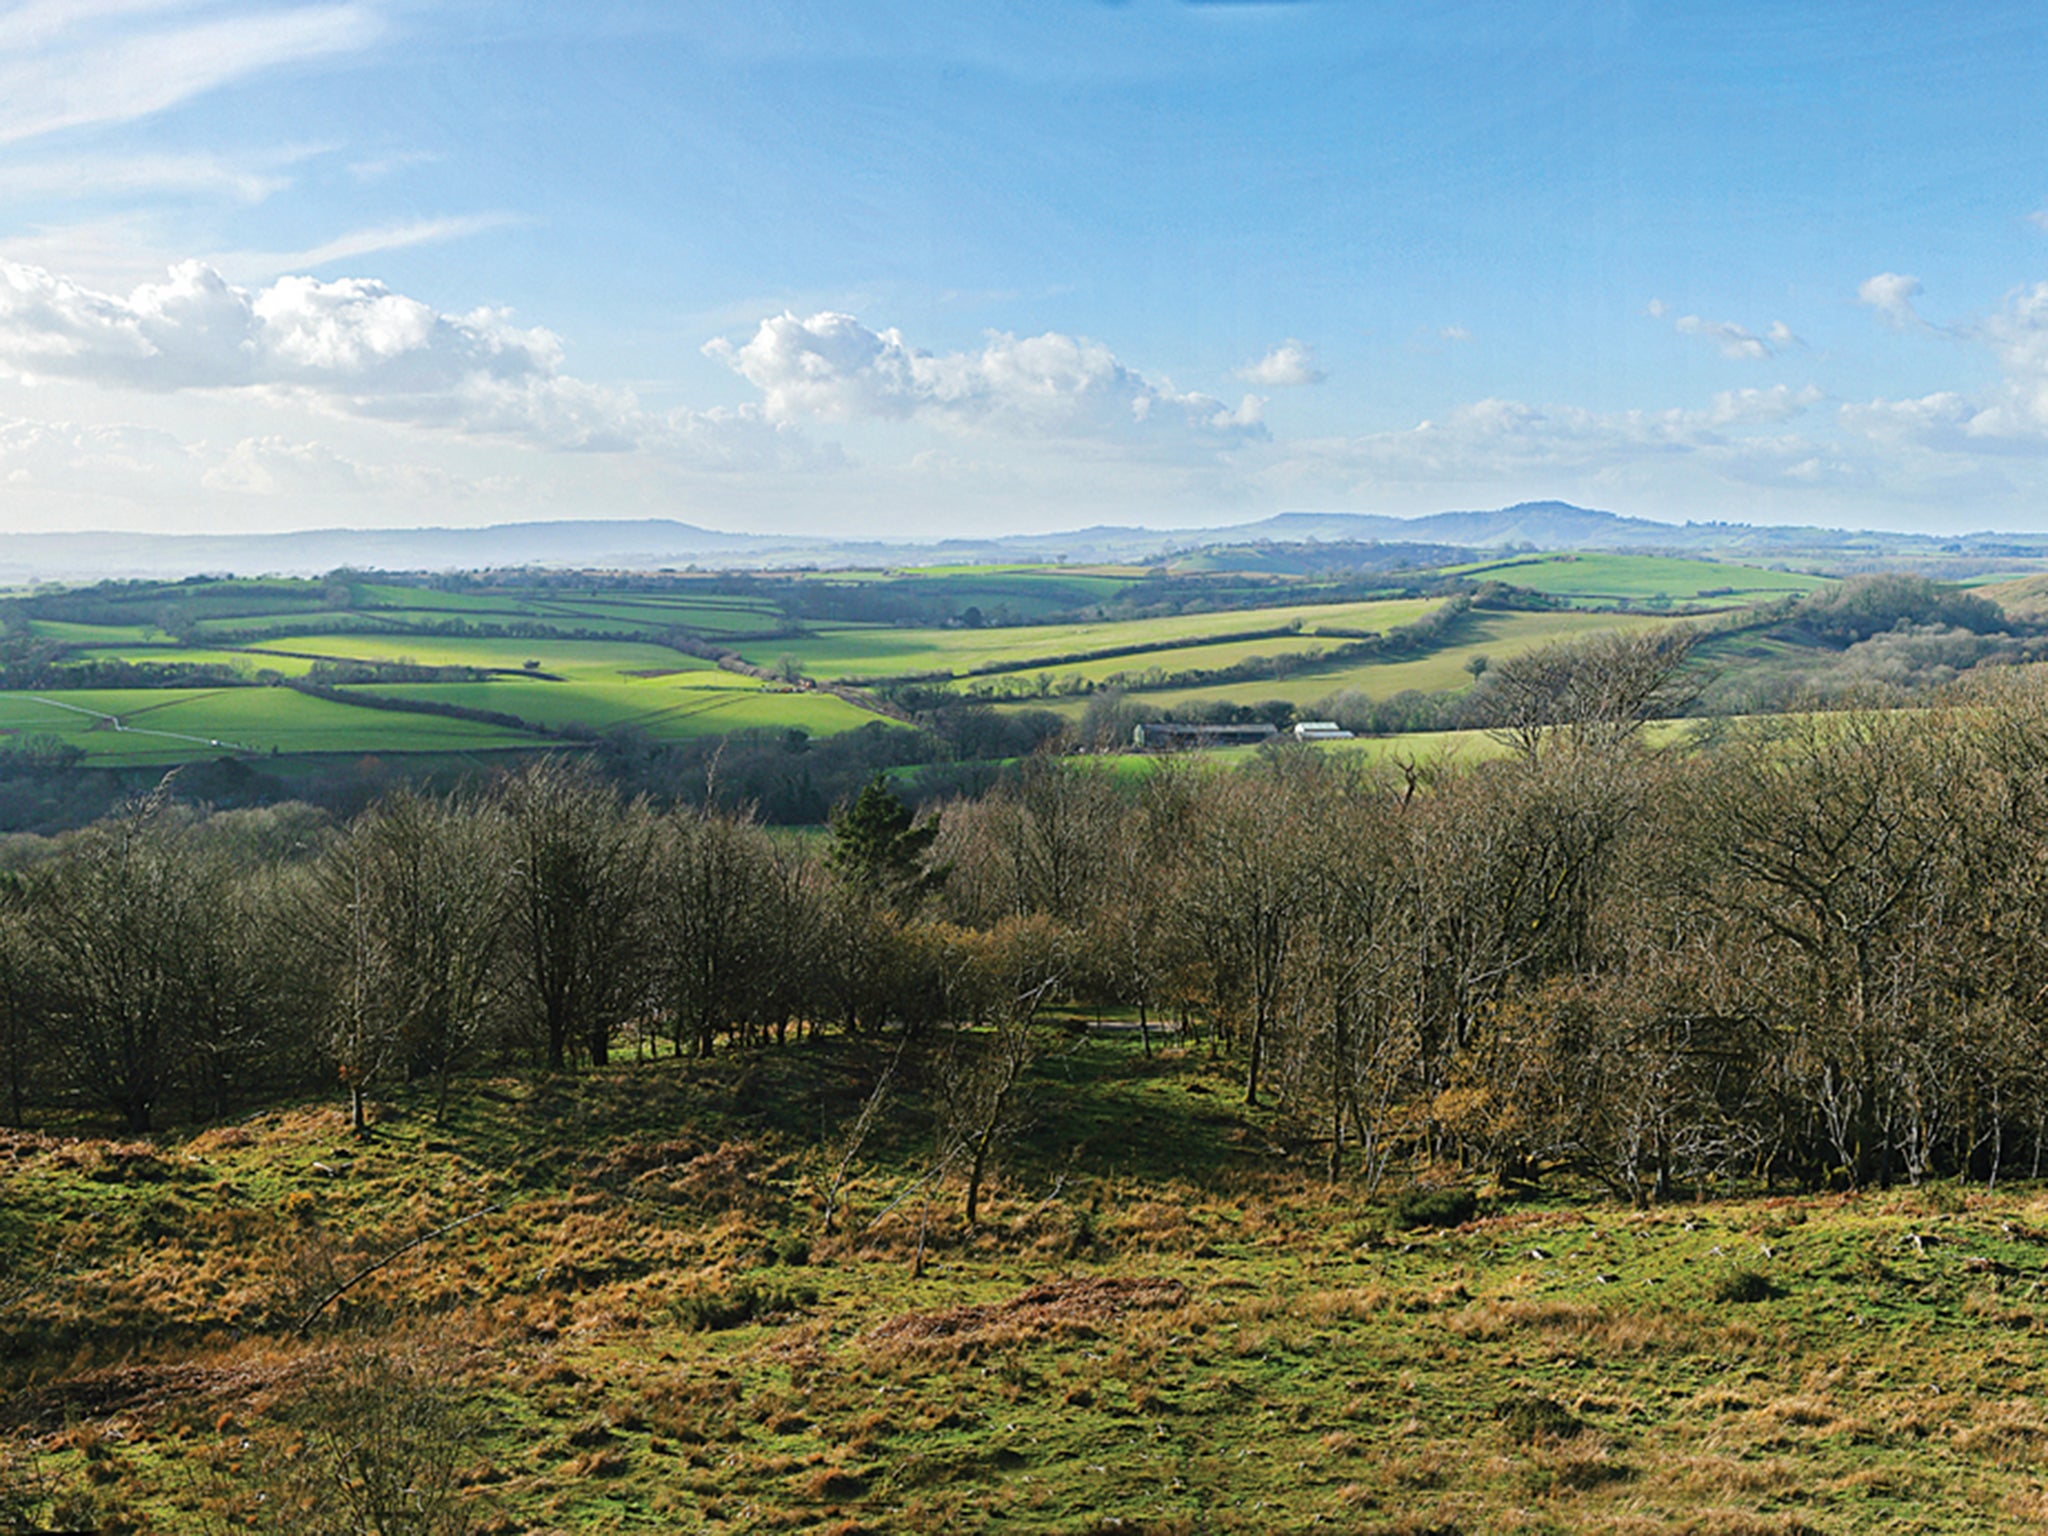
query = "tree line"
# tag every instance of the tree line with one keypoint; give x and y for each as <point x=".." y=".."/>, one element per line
<point x="1805" y="951"/>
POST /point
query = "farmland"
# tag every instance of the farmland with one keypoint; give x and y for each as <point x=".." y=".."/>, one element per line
<point x="158" y="674"/>
<point x="1652" y="580"/>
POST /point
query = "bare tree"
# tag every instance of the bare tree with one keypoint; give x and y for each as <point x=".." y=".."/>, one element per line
<point x="1590" y="694"/>
<point x="405" y="912"/>
<point x="578" y="879"/>
<point x="719" y="923"/>
<point x="121" y="927"/>
<point x="1244" y="896"/>
<point x="1020" y="965"/>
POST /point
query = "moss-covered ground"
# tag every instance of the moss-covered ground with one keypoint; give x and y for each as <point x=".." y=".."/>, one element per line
<point x="1167" y="1320"/>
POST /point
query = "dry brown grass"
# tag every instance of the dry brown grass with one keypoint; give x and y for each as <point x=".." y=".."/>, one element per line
<point x="1081" y="1307"/>
<point x="1603" y="1330"/>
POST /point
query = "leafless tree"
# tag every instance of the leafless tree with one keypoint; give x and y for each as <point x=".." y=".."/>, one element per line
<point x="1590" y="694"/>
<point x="579" y="864"/>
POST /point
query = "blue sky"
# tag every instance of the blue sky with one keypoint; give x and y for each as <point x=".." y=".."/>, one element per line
<point x="897" y="269"/>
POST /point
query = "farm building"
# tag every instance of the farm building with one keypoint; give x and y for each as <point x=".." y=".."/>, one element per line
<point x="1320" y="730"/>
<point x="1171" y="736"/>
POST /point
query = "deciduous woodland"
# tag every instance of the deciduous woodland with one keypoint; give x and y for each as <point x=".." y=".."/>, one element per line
<point x="1802" y="952"/>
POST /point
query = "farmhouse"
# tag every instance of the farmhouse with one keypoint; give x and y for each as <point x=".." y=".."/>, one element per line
<point x="1172" y="736"/>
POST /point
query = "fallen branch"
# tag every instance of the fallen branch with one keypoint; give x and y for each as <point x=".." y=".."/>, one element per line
<point x="395" y="1254"/>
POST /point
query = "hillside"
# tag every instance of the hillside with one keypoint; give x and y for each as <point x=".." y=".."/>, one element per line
<point x="647" y="1324"/>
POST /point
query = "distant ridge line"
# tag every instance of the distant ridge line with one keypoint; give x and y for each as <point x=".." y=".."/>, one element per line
<point x="657" y="543"/>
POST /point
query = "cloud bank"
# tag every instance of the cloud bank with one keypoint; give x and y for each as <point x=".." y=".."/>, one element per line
<point x="355" y="347"/>
<point x="831" y="367"/>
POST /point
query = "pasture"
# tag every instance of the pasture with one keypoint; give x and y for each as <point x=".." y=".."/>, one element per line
<point x="957" y="652"/>
<point x="118" y="727"/>
<point x="1651" y="579"/>
<point x="590" y="655"/>
<point x="1492" y="635"/>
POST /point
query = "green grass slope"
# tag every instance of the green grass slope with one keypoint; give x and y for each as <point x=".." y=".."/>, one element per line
<point x="1164" y="1323"/>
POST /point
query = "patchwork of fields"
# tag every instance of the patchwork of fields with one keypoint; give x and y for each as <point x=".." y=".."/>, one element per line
<point x="162" y="674"/>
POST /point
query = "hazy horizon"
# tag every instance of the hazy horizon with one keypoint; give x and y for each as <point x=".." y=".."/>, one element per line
<point x="909" y="273"/>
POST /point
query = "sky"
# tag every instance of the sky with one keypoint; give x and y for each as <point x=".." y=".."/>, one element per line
<point x="879" y="269"/>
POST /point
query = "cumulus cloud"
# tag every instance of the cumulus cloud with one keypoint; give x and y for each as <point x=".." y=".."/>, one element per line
<point x="1289" y="364"/>
<point x="1944" y="417"/>
<point x="1892" y="294"/>
<point x="274" y="465"/>
<point x="354" y="346"/>
<point x="834" y="368"/>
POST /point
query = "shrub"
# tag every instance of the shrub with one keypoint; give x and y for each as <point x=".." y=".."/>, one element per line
<point x="1429" y="1206"/>
<point x="1742" y="1286"/>
<point x="714" y="1311"/>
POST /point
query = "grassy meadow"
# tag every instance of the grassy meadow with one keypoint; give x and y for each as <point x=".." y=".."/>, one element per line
<point x="649" y="1325"/>
<point x="1647" y="579"/>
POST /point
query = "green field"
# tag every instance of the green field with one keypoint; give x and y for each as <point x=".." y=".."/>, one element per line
<point x="586" y="659"/>
<point x="637" y="682"/>
<point x="175" y="725"/>
<point x="667" y="708"/>
<point x="1490" y="634"/>
<point x="242" y="660"/>
<point x="883" y="653"/>
<point x="1645" y="578"/>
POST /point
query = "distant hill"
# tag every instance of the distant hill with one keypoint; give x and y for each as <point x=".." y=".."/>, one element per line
<point x="1369" y="539"/>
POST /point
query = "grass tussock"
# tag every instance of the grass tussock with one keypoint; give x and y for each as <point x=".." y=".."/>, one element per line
<point x="1076" y="1308"/>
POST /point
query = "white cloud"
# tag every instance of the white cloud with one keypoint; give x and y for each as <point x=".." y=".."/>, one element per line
<point x="834" y="368"/>
<point x="2012" y="417"/>
<point x="1289" y="364"/>
<point x="274" y="465"/>
<point x="355" y="348"/>
<point x="1891" y="294"/>
<point x="119" y="250"/>
<point x="1455" y="333"/>
<point x="1732" y="340"/>
<point x="1943" y="417"/>
<point x="83" y="62"/>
